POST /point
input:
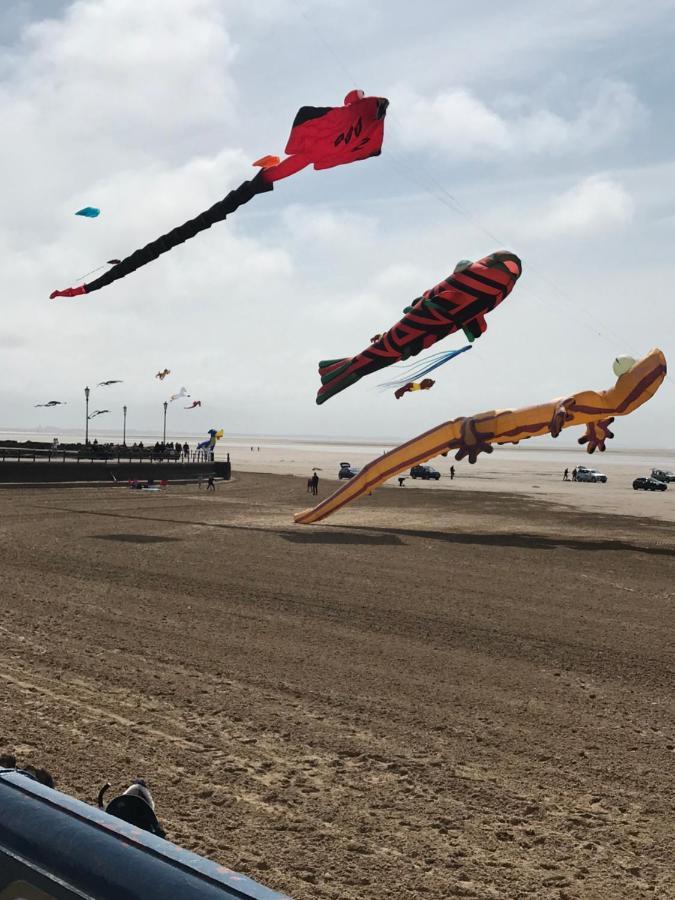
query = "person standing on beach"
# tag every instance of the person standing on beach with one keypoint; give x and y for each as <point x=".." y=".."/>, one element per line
<point x="315" y="484"/>
<point x="452" y="473"/>
<point x="566" y="475"/>
<point x="211" y="483"/>
<point x="574" y="474"/>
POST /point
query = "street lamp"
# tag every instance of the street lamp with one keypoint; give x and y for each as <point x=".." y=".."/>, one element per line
<point x="124" y="428"/>
<point x="164" y="435"/>
<point x="86" y="428"/>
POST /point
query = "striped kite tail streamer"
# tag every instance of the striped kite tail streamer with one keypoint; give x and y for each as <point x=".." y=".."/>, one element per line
<point x="262" y="183"/>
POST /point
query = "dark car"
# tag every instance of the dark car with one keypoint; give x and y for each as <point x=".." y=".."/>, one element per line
<point x="347" y="470"/>
<point x="649" y="484"/>
<point x="425" y="472"/>
<point x="663" y="475"/>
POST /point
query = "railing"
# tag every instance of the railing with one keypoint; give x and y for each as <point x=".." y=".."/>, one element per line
<point x="117" y="455"/>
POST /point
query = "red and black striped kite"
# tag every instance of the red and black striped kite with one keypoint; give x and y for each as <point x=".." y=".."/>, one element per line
<point x="322" y="136"/>
<point x="458" y="303"/>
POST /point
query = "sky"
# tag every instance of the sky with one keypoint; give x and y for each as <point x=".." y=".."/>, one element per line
<point x="546" y="130"/>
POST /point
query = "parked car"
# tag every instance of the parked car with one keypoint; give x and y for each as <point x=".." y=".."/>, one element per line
<point x="347" y="470"/>
<point x="662" y="475"/>
<point x="649" y="484"/>
<point x="585" y="474"/>
<point x="425" y="472"/>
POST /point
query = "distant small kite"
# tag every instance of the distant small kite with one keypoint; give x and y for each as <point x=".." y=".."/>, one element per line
<point x="424" y="385"/>
<point x="98" y="412"/>
<point x="415" y="370"/>
<point x="180" y="395"/>
<point x="51" y="403"/>
<point x="89" y="212"/>
<point x="162" y="375"/>
<point x="108" y="383"/>
<point x="194" y="404"/>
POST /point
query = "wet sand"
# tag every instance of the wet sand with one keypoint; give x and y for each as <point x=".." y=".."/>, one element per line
<point x="437" y="693"/>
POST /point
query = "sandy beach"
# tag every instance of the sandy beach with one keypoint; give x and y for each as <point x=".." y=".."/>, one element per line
<point x="441" y="692"/>
<point x="527" y="472"/>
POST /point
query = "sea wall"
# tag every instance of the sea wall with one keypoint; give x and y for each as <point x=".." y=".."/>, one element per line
<point x="28" y="472"/>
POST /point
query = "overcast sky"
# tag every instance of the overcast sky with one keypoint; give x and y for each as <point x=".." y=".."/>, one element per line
<point x="546" y="129"/>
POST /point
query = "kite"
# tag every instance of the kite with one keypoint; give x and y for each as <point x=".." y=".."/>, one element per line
<point x="476" y="434"/>
<point x="210" y="442"/>
<point x="89" y="212"/>
<point x="108" y="383"/>
<point x="51" y="403"/>
<point x="322" y="136"/>
<point x="194" y="404"/>
<point x="461" y="301"/>
<point x="418" y="369"/>
<point x="425" y="385"/>
<point x="98" y="412"/>
<point x="162" y="375"/>
<point x="179" y="396"/>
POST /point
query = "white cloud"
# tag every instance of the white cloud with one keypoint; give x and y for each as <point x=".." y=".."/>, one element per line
<point x="455" y="124"/>
<point x="315" y="223"/>
<point x="597" y="204"/>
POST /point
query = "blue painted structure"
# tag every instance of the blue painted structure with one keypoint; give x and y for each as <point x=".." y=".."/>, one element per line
<point x="53" y="847"/>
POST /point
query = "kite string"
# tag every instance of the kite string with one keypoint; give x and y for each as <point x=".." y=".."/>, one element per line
<point x="87" y="274"/>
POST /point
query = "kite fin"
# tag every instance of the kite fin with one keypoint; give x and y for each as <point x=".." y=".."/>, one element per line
<point x="69" y="292"/>
<point x="331" y="368"/>
<point x="475" y="328"/>
<point x="333" y="379"/>
<point x="266" y="162"/>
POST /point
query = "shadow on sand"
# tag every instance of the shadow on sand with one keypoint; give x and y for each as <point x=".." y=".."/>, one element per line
<point x="380" y="538"/>
<point x="369" y="535"/>
<point x="134" y="538"/>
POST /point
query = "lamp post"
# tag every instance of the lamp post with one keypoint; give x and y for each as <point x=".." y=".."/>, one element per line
<point x="124" y="427"/>
<point x="86" y="427"/>
<point x="166" y="405"/>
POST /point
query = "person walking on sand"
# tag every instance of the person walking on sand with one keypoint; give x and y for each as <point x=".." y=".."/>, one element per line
<point x="211" y="483"/>
<point x="574" y="474"/>
<point x="566" y="474"/>
<point x="452" y="473"/>
<point x="315" y="484"/>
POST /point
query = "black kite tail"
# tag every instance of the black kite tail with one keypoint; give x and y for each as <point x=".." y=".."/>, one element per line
<point x="217" y="213"/>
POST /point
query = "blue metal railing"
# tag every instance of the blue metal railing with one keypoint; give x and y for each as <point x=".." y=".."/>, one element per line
<point x="56" y="845"/>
